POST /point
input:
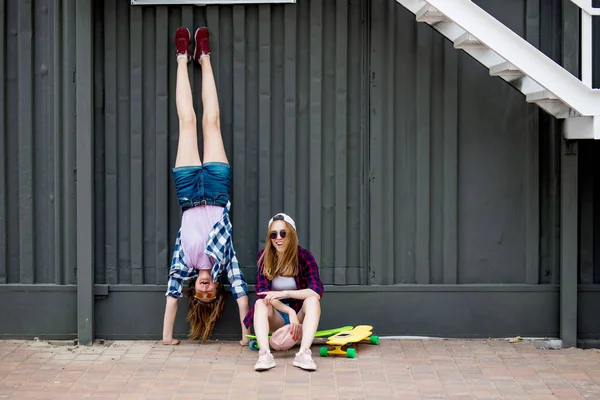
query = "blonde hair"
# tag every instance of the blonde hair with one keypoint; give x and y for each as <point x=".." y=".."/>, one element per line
<point x="274" y="265"/>
<point x="203" y="316"/>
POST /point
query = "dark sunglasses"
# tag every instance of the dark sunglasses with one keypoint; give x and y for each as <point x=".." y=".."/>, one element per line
<point x="282" y="233"/>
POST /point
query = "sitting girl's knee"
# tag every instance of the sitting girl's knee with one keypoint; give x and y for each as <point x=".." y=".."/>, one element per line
<point x="312" y="301"/>
<point x="261" y="303"/>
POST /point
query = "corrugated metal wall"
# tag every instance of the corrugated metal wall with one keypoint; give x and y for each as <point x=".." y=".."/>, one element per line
<point x="37" y="142"/>
<point x="453" y="157"/>
<point x="400" y="158"/>
<point x="436" y="183"/>
<point x="290" y="82"/>
<point x="589" y="187"/>
<point x="589" y="184"/>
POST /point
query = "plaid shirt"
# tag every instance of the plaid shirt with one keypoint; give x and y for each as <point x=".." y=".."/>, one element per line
<point x="307" y="278"/>
<point x="219" y="246"/>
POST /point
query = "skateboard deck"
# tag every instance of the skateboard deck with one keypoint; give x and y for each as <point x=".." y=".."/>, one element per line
<point x="325" y="333"/>
<point x="361" y="333"/>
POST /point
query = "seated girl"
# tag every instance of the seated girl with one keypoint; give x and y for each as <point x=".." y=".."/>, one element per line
<point x="289" y="291"/>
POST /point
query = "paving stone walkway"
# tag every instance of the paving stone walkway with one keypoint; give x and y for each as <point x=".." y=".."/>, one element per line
<point x="396" y="369"/>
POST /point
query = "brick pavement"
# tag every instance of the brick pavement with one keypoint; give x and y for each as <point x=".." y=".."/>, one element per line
<point x="403" y="369"/>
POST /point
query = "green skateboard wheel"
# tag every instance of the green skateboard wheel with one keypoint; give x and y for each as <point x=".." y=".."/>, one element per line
<point x="253" y="345"/>
<point x="351" y="353"/>
<point x="324" y="351"/>
<point x="374" y="339"/>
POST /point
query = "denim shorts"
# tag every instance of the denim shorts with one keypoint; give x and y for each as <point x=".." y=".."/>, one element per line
<point x="207" y="184"/>
<point x="286" y="317"/>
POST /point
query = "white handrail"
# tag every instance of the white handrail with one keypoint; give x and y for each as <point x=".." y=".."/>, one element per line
<point x="521" y="54"/>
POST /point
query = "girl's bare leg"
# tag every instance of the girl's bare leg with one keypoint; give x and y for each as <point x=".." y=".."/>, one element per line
<point x="187" y="149"/>
<point x="309" y="317"/>
<point x="211" y="124"/>
<point x="266" y="320"/>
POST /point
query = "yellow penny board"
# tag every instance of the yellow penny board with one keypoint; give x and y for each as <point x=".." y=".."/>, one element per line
<point x="361" y="333"/>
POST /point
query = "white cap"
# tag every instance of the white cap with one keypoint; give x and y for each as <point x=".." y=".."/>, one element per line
<point x="284" y="217"/>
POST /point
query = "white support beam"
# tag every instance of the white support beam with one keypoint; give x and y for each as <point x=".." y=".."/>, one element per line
<point x="582" y="128"/>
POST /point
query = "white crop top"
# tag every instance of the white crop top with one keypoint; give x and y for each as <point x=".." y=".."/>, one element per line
<point x="280" y="283"/>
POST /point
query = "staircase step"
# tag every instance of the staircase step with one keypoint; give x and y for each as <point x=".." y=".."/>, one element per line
<point x="475" y="32"/>
<point x="478" y="50"/>
<point x="449" y="29"/>
<point x="550" y="103"/>
<point x="467" y="40"/>
<point x="526" y="85"/>
<point x="430" y="15"/>
<point x="506" y="71"/>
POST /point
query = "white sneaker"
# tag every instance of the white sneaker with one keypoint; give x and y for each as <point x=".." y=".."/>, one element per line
<point x="265" y="361"/>
<point x="304" y="360"/>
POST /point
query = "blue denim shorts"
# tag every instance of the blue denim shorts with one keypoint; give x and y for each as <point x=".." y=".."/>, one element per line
<point x="286" y="317"/>
<point x="207" y="184"/>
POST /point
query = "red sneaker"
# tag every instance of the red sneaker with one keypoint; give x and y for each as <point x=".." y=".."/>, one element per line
<point x="202" y="46"/>
<point x="182" y="42"/>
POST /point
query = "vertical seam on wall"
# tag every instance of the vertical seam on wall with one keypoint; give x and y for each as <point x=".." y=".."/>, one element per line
<point x="58" y="134"/>
<point x="365" y="134"/>
<point x="532" y="209"/>
<point x="26" y="143"/>
<point x="3" y="163"/>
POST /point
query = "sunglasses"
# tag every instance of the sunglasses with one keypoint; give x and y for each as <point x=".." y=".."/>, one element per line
<point x="282" y="233"/>
<point x="201" y="296"/>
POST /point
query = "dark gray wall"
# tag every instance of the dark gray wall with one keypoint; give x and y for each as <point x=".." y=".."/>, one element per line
<point x="436" y="183"/>
<point x="37" y="142"/>
<point x="453" y="159"/>
<point x="290" y="82"/>
<point x="401" y="159"/>
<point x="589" y="188"/>
<point x="589" y="202"/>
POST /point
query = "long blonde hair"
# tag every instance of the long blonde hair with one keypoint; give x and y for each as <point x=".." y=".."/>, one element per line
<point x="285" y="265"/>
<point x="203" y="316"/>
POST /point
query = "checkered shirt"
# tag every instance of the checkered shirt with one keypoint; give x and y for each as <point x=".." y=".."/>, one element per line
<point x="219" y="246"/>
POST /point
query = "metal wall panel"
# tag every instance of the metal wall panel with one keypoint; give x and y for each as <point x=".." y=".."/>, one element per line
<point x="37" y="142"/>
<point x="427" y="173"/>
<point x="589" y="187"/>
<point x="589" y="202"/>
<point x="290" y="81"/>
<point x="347" y="115"/>
<point x="453" y="159"/>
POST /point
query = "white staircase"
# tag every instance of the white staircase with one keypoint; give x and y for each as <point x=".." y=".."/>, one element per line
<point x="512" y="58"/>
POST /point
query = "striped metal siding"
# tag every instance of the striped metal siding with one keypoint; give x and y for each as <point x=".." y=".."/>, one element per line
<point x="452" y="158"/>
<point x="589" y="188"/>
<point x="375" y="182"/>
<point x="589" y="203"/>
<point x="37" y="142"/>
<point x="290" y="81"/>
